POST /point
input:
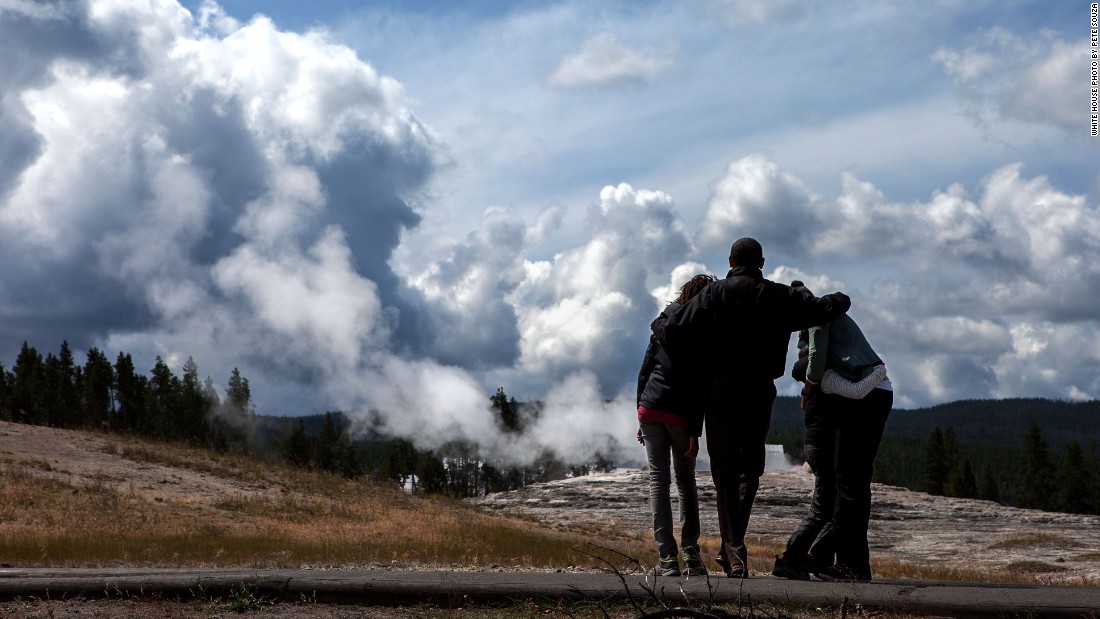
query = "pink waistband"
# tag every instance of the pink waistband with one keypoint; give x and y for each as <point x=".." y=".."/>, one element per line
<point x="652" y="414"/>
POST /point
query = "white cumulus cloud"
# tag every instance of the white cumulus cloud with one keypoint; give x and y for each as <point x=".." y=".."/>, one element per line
<point x="603" y="61"/>
<point x="1035" y="79"/>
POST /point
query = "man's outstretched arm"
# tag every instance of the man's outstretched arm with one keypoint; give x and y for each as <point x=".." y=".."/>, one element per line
<point x="810" y="311"/>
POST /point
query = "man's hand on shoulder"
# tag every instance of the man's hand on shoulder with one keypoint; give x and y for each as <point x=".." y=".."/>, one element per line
<point x="839" y="301"/>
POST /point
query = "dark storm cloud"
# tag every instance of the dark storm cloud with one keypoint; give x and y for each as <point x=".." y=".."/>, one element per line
<point x="150" y="164"/>
<point x="245" y="195"/>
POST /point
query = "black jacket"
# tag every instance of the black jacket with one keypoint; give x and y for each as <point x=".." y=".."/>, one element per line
<point x="662" y="388"/>
<point x="737" y="329"/>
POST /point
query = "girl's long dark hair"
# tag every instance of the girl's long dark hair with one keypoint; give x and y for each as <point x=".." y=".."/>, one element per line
<point x="693" y="286"/>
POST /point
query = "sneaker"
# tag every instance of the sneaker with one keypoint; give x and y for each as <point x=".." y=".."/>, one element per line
<point x="693" y="564"/>
<point x="667" y="566"/>
<point x="785" y="568"/>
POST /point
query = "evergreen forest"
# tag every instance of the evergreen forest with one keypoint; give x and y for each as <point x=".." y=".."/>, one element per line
<point x="1022" y="452"/>
<point x="1033" y="453"/>
<point x="56" y="391"/>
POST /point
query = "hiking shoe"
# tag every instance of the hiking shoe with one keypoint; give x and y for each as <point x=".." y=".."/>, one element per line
<point x="731" y="571"/>
<point x="814" y="566"/>
<point x="723" y="563"/>
<point x="840" y="573"/>
<point x="785" y="568"/>
<point x="693" y="564"/>
<point x="667" y="566"/>
<point x="738" y="571"/>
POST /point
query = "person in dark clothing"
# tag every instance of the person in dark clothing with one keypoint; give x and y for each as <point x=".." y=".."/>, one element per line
<point x="810" y="548"/>
<point x="670" y="420"/>
<point x="734" y="334"/>
<point x="847" y="398"/>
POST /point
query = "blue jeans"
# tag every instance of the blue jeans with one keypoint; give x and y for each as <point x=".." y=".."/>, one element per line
<point x="661" y="442"/>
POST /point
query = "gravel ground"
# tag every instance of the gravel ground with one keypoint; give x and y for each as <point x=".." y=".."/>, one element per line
<point x="911" y="527"/>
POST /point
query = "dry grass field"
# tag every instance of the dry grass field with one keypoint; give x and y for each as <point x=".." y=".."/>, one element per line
<point x="85" y="499"/>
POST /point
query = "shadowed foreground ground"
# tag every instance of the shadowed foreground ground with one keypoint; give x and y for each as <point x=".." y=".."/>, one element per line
<point x="381" y="588"/>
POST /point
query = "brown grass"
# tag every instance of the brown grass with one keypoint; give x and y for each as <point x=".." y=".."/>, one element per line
<point x="306" y="519"/>
<point x="1036" y="539"/>
<point x="285" y="517"/>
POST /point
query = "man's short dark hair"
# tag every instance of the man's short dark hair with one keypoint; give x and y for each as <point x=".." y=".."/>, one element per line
<point x="746" y="252"/>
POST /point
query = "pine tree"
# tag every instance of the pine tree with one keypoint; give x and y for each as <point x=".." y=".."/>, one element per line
<point x="238" y="395"/>
<point x="962" y="483"/>
<point x="58" y="397"/>
<point x="989" y="491"/>
<point x="210" y="392"/>
<point x="6" y="380"/>
<point x="1093" y="466"/>
<point x="935" y="463"/>
<point x="401" y="463"/>
<point x="507" y="411"/>
<point x="326" y="447"/>
<point x="98" y="389"/>
<point x="194" y="406"/>
<point x="1075" y="497"/>
<point x="163" y="398"/>
<point x="1036" y="473"/>
<point x="130" y="391"/>
<point x="950" y="449"/>
<point x="26" y="391"/>
<point x="51" y="391"/>
<point x="547" y="467"/>
<point x="601" y="463"/>
<point x="432" y="473"/>
<point x="295" y="444"/>
<point x="231" y="424"/>
<point x="462" y="468"/>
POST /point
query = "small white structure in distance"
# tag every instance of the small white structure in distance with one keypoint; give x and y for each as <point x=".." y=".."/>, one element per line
<point x="775" y="459"/>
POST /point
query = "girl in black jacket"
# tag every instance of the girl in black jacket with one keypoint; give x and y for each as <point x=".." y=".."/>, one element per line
<point x="670" y="422"/>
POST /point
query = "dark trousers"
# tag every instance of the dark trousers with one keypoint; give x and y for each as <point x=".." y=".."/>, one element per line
<point x="842" y="439"/>
<point x="811" y="545"/>
<point x="737" y="420"/>
<point x="858" y="433"/>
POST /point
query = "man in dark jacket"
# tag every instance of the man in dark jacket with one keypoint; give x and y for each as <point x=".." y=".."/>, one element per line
<point x="735" y="333"/>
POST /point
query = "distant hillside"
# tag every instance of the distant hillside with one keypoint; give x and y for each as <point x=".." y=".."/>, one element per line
<point x="992" y="422"/>
<point x="1003" y="422"/>
<point x="983" y="451"/>
<point x="985" y="455"/>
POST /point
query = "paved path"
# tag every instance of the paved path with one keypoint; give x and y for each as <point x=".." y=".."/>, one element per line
<point x="383" y="587"/>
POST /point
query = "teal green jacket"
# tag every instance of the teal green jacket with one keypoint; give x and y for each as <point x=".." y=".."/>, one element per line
<point x="839" y="346"/>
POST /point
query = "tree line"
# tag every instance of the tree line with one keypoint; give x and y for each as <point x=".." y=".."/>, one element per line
<point x="1044" y="480"/>
<point x="55" y="391"/>
<point x="455" y="468"/>
<point x="1016" y="452"/>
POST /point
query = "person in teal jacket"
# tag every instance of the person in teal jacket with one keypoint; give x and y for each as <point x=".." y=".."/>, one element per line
<point x="842" y="438"/>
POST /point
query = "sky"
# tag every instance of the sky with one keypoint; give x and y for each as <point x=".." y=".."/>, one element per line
<point x="394" y="208"/>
